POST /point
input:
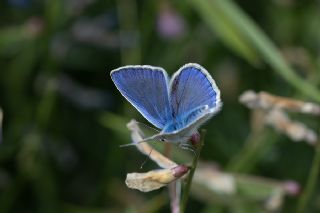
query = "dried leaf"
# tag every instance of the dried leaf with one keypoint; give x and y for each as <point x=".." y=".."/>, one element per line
<point x="155" y="179"/>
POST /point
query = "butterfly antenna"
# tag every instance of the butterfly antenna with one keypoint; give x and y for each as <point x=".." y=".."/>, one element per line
<point x="147" y="158"/>
<point x="132" y="144"/>
<point x="147" y="127"/>
<point x="146" y="140"/>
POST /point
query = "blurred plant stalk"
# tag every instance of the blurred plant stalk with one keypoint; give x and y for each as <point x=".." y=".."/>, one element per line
<point x="311" y="182"/>
<point x="274" y="114"/>
<point x="239" y="32"/>
<point x="128" y="32"/>
<point x="1" y="120"/>
<point x="267" y="101"/>
<point x="268" y="109"/>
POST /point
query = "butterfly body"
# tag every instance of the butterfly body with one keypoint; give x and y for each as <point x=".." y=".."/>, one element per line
<point x="178" y="106"/>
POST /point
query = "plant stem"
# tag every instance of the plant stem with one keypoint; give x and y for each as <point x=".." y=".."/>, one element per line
<point x="311" y="182"/>
<point x="174" y="187"/>
<point x="187" y="186"/>
<point x="174" y="192"/>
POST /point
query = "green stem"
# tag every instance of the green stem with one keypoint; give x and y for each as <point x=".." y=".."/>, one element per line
<point x="256" y="147"/>
<point x="187" y="186"/>
<point x="311" y="182"/>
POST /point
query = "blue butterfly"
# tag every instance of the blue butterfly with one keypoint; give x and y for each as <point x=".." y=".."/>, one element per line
<point x="177" y="106"/>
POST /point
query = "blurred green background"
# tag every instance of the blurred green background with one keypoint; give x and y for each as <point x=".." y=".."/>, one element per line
<point x="63" y="119"/>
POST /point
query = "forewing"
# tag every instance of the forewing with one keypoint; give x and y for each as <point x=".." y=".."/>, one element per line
<point x="146" y="88"/>
<point x="192" y="87"/>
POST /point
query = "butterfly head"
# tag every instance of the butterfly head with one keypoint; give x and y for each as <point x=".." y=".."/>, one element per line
<point x="172" y="138"/>
<point x="163" y="140"/>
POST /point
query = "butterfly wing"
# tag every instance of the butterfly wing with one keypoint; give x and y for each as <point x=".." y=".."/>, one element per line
<point x="192" y="87"/>
<point x="184" y="134"/>
<point x="195" y="118"/>
<point x="146" y="88"/>
<point x="185" y="119"/>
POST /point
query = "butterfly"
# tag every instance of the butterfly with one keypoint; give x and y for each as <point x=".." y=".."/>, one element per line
<point x="177" y="106"/>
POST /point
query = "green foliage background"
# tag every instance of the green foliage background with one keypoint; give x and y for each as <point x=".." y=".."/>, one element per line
<point x="64" y="119"/>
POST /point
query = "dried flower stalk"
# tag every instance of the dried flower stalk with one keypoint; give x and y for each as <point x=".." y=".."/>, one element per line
<point x="155" y="179"/>
<point x="297" y="131"/>
<point x="146" y="149"/>
<point x="266" y="101"/>
<point x="273" y="113"/>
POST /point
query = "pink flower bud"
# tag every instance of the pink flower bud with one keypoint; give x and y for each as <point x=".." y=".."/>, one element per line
<point x="195" y="139"/>
<point x="180" y="170"/>
<point x="291" y="187"/>
<point x="170" y="24"/>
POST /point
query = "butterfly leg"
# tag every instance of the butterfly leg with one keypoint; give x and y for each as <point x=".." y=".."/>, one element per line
<point x="188" y="147"/>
